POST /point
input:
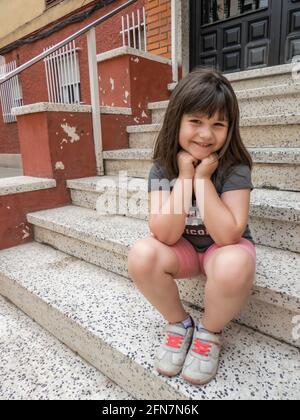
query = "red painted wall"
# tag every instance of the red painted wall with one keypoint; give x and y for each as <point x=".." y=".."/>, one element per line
<point x="14" y="228"/>
<point x="45" y="143"/>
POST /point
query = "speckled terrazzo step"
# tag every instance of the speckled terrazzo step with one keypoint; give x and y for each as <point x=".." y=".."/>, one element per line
<point x="256" y="132"/>
<point x="268" y="76"/>
<point x="262" y="77"/>
<point x="158" y="110"/>
<point x="104" y="318"/>
<point x="276" y="168"/>
<point x="274" y="215"/>
<point x="263" y="100"/>
<point x="34" y="365"/>
<point x="106" y="240"/>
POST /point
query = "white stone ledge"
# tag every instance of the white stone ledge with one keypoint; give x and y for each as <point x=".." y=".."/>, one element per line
<point x="20" y="184"/>
<point x="131" y="51"/>
<point x="52" y="107"/>
<point x="261" y="72"/>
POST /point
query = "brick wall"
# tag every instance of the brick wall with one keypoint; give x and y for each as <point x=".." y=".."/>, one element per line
<point x="158" y="16"/>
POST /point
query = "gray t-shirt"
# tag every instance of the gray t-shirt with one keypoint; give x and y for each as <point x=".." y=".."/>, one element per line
<point x="195" y="231"/>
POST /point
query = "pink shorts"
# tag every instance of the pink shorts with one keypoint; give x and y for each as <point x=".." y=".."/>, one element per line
<point x="192" y="263"/>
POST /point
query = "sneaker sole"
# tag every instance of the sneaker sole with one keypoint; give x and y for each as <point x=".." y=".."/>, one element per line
<point x="194" y="382"/>
<point x="167" y="373"/>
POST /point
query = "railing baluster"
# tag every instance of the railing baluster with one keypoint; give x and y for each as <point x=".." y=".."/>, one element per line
<point x="133" y="30"/>
<point x="139" y="29"/>
<point x="128" y="31"/>
<point x="145" y="35"/>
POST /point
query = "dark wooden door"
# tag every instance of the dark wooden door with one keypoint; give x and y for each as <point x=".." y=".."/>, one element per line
<point x="290" y="31"/>
<point x="236" y="35"/>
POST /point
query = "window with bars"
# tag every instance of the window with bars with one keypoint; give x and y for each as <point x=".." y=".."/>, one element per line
<point x="10" y="93"/>
<point x="217" y="10"/>
<point x="63" y="76"/>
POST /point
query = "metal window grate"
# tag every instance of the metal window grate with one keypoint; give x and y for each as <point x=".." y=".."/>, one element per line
<point x="62" y="74"/>
<point x="218" y="10"/>
<point x="10" y="93"/>
<point x="134" y="30"/>
<point x="50" y="3"/>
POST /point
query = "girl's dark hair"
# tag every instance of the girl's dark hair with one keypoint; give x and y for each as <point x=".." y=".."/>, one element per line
<point x="206" y="91"/>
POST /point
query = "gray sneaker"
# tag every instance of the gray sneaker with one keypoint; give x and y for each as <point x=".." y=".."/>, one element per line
<point x="201" y="363"/>
<point x="172" y="352"/>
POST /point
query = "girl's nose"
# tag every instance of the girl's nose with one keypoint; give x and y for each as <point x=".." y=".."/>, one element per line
<point x="204" y="133"/>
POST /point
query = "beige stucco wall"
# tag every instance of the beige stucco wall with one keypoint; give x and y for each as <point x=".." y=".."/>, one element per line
<point x="19" y="18"/>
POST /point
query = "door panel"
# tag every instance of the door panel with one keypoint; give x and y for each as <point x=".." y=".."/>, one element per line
<point x="236" y="35"/>
<point x="290" y="36"/>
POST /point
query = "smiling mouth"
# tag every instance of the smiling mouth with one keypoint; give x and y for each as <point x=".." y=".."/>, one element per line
<point x="204" y="145"/>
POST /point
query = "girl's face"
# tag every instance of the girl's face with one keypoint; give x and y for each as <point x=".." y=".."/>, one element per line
<point x="197" y="131"/>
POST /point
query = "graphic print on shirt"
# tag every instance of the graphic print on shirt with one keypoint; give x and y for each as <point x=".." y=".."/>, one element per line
<point x="194" y="224"/>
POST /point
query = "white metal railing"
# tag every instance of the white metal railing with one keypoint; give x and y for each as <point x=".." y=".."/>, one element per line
<point x="10" y="93"/>
<point x="62" y="75"/>
<point x="134" y="30"/>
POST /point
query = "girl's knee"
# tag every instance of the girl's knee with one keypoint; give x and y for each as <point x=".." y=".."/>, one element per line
<point x="234" y="271"/>
<point x="141" y="257"/>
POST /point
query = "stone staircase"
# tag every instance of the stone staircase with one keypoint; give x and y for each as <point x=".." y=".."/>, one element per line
<point x="76" y="284"/>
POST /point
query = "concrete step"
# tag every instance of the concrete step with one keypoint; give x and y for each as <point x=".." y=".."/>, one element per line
<point x="276" y="168"/>
<point x="255" y="102"/>
<point x="36" y="366"/>
<point x="270" y="100"/>
<point x="255" y="132"/>
<point x="103" y="317"/>
<point x="106" y="240"/>
<point x="263" y="77"/>
<point x="274" y="215"/>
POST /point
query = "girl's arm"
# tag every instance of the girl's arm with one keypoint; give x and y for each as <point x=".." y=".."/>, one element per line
<point x="168" y="226"/>
<point x="216" y="216"/>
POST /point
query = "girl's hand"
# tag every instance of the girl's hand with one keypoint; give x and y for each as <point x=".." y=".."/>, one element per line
<point x="207" y="166"/>
<point x="186" y="164"/>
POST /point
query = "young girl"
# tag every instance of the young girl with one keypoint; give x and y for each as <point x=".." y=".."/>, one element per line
<point x="200" y="150"/>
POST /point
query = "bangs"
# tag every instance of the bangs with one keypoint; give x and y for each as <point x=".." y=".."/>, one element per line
<point x="208" y="101"/>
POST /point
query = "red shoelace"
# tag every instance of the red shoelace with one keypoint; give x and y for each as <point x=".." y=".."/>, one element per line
<point x="174" y="341"/>
<point x="202" y="348"/>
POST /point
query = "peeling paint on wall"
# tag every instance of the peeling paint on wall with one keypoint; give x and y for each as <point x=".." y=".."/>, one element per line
<point x="126" y="96"/>
<point x="112" y="82"/>
<point x="59" y="165"/>
<point x="144" y="115"/>
<point x="71" y="132"/>
<point x="25" y="232"/>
